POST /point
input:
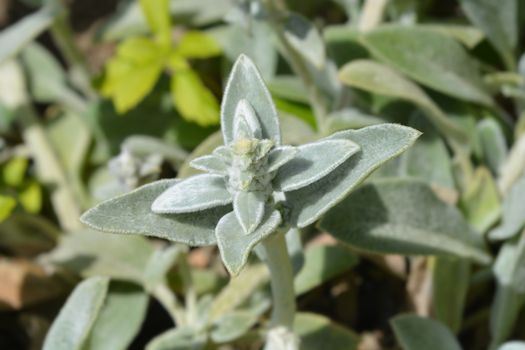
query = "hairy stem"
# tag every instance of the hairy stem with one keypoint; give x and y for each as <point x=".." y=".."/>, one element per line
<point x="281" y="277"/>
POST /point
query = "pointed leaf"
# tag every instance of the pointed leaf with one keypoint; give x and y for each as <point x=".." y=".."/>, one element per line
<point x="400" y="216"/>
<point x="416" y="333"/>
<point x="196" y="44"/>
<point x="193" y="99"/>
<point x="7" y="204"/>
<point x="280" y="156"/>
<point x="16" y="36"/>
<point x="211" y="164"/>
<point x="249" y="209"/>
<point x="305" y="39"/>
<point x="178" y="339"/>
<point x="378" y="144"/>
<point x="245" y="82"/>
<point x="206" y="147"/>
<point x="436" y="60"/>
<point x="233" y="325"/>
<point x="513" y="215"/>
<point x="313" y="162"/>
<point x="158" y="17"/>
<point x="71" y="328"/>
<point x="493" y="144"/>
<point x="120" y="317"/>
<point x="319" y="332"/>
<point x="131" y="214"/>
<point x="245" y="122"/>
<point x="196" y="193"/>
<point x="498" y="20"/>
<point x="380" y="79"/>
<point x="235" y="246"/>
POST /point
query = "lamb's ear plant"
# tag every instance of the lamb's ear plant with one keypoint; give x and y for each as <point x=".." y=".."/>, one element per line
<point x="254" y="189"/>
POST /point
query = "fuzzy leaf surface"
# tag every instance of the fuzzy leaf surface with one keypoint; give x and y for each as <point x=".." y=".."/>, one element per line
<point x="416" y="333"/>
<point x="71" y="328"/>
<point x="246" y="83"/>
<point x="178" y="339"/>
<point x="235" y="246"/>
<point x="305" y="39"/>
<point x="233" y="325"/>
<point x="194" y="194"/>
<point x="131" y="214"/>
<point x="280" y="156"/>
<point x="378" y="143"/>
<point x="249" y="209"/>
<point x="313" y="162"/>
<point x="403" y="217"/>
<point x="513" y="215"/>
<point x="430" y="58"/>
<point x="120" y="318"/>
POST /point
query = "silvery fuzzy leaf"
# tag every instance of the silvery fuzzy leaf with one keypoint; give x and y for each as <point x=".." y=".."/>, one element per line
<point x="249" y="209"/>
<point x="245" y="122"/>
<point x="131" y="214"/>
<point x="235" y="246"/>
<point x="196" y="193"/>
<point x="245" y="82"/>
<point x="180" y="338"/>
<point x="305" y="39"/>
<point x="224" y="153"/>
<point x="233" y="325"/>
<point x="280" y="156"/>
<point x="403" y="216"/>
<point x="513" y="215"/>
<point x="378" y="143"/>
<point x="313" y="162"/>
<point x="211" y="164"/>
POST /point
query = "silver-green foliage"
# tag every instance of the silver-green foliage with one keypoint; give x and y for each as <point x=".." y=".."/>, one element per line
<point x="253" y="184"/>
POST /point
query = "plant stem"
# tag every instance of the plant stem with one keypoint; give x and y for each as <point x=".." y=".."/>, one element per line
<point x="371" y="14"/>
<point x="281" y="277"/>
<point x="317" y="99"/>
<point x="189" y="290"/>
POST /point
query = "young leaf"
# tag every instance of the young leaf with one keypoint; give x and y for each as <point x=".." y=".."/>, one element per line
<point x="403" y="217"/>
<point x="416" y="333"/>
<point x="131" y="214"/>
<point x="378" y="144"/>
<point x="71" y="328"/>
<point x="245" y="122"/>
<point x="513" y="218"/>
<point x="211" y="164"/>
<point x="158" y="17"/>
<point x="193" y="99"/>
<point x="249" y="209"/>
<point x="383" y="80"/>
<point x="499" y="22"/>
<point x="235" y="246"/>
<point x="280" y="156"/>
<point x="319" y="332"/>
<point x="245" y="83"/>
<point x="120" y="318"/>
<point x="436" y="60"/>
<point x="305" y="39"/>
<point x="313" y="162"/>
<point x="197" y="193"/>
<point x="133" y="72"/>
<point x="197" y="45"/>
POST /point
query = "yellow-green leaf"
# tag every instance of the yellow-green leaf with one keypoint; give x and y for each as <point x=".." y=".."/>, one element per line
<point x="133" y="72"/>
<point x="193" y="100"/>
<point x="30" y="197"/>
<point x="7" y="204"/>
<point x="13" y="172"/>
<point x="197" y="45"/>
<point x="158" y="17"/>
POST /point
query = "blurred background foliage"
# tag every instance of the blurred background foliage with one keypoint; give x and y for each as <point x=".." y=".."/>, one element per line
<point x="98" y="97"/>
